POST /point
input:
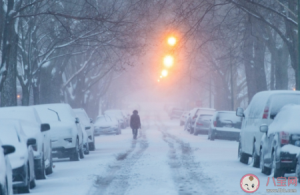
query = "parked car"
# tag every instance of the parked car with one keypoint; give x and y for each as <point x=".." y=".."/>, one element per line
<point x="193" y="115"/>
<point x="262" y="109"/>
<point x="66" y="133"/>
<point x="183" y="118"/>
<point x="88" y="125"/>
<point x="225" y="125"/>
<point x="107" y="125"/>
<point x="117" y="114"/>
<point x="202" y="124"/>
<point x="176" y="113"/>
<point x="33" y="128"/>
<point x="5" y="169"/>
<point x="22" y="160"/>
<point x="281" y="142"/>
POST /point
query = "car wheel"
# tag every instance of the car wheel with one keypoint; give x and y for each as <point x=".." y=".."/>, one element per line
<point x="87" y="149"/>
<point x="49" y="169"/>
<point x="4" y="188"/>
<point x="255" y="157"/>
<point x="243" y="158"/>
<point x="92" y="145"/>
<point x="298" y="170"/>
<point x="81" y="152"/>
<point x="275" y="170"/>
<point x="263" y="168"/>
<point x="25" y="189"/>
<point x="76" y="154"/>
<point x="41" y="173"/>
<point x="212" y="137"/>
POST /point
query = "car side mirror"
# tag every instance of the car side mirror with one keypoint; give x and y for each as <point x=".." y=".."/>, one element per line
<point x="31" y="141"/>
<point x="45" y="127"/>
<point x="7" y="149"/>
<point x="240" y="112"/>
<point x="87" y="128"/>
<point x="91" y="120"/>
<point x="77" y="120"/>
<point x="264" y="128"/>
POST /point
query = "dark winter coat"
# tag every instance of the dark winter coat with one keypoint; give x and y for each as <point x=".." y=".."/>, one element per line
<point x="135" y="121"/>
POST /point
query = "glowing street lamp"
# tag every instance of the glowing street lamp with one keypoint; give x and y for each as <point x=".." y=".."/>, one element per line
<point x="172" y="41"/>
<point x="164" y="73"/>
<point x="168" y="61"/>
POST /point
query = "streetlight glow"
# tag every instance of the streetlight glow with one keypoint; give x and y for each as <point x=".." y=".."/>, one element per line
<point x="164" y="73"/>
<point x="171" y="41"/>
<point x="168" y="61"/>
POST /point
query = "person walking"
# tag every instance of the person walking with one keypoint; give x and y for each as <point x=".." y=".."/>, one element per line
<point x="135" y="123"/>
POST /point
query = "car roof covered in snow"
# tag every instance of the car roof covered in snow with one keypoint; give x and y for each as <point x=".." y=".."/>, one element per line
<point x="66" y="114"/>
<point x="260" y="99"/>
<point x="24" y="113"/>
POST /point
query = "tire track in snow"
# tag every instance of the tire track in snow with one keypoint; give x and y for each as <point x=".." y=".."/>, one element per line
<point x="187" y="173"/>
<point x="115" y="179"/>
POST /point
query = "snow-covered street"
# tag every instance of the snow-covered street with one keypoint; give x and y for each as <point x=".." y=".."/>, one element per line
<point x="164" y="159"/>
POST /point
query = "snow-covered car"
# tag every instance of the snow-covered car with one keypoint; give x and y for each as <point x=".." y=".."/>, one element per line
<point x="107" y="125"/>
<point x="88" y="125"/>
<point x="33" y="128"/>
<point x="225" y="125"/>
<point x="262" y="109"/>
<point x="5" y="169"/>
<point x="22" y="160"/>
<point x="176" y="113"/>
<point x="202" y="124"/>
<point x="66" y="133"/>
<point x="281" y="142"/>
<point x="194" y="115"/>
<point x="117" y="114"/>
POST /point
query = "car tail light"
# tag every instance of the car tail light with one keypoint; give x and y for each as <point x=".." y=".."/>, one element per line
<point x="284" y="137"/>
<point x="199" y="124"/>
<point x="266" y="113"/>
<point x="215" y="123"/>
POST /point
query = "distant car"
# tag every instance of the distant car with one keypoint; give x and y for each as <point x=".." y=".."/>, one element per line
<point x="87" y="125"/>
<point x="22" y="160"/>
<point x="33" y="128"/>
<point x="66" y="133"/>
<point x="5" y="169"/>
<point x="117" y="114"/>
<point x="202" y="124"/>
<point x="183" y="118"/>
<point x="105" y="125"/>
<point x="225" y="125"/>
<point x="176" y="113"/>
<point x="262" y="109"/>
<point x="193" y="115"/>
<point x="281" y="142"/>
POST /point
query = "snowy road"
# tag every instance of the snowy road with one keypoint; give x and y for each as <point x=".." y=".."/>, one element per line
<point x="163" y="160"/>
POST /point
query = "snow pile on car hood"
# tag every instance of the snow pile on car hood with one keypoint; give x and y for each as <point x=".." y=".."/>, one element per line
<point x="287" y="120"/>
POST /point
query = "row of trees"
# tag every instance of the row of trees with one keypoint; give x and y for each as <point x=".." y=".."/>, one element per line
<point x="67" y="50"/>
<point x="246" y="46"/>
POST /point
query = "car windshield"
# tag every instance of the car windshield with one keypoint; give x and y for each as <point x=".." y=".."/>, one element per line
<point x="228" y="119"/>
<point x="280" y="100"/>
<point x="9" y="135"/>
<point x="204" y="117"/>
